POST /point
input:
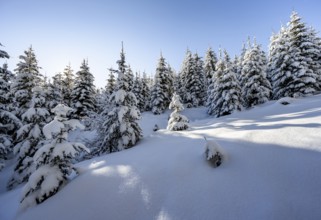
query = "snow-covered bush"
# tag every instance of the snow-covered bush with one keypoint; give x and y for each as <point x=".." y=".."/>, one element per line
<point x="177" y="122"/>
<point x="285" y="100"/>
<point x="214" y="153"/>
<point x="53" y="160"/>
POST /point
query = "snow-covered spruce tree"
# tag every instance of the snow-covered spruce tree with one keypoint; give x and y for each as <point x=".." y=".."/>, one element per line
<point x="67" y="85"/>
<point x="137" y="90"/>
<point x="120" y="129"/>
<point x="305" y="79"/>
<point x="5" y="81"/>
<point x="177" y="122"/>
<point x="199" y="86"/>
<point x="145" y="93"/>
<point x="28" y="138"/>
<point x="256" y="89"/>
<point x="291" y="64"/>
<point x="83" y="93"/>
<point x="315" y="54"/>
<point x="53" y="92"/>
<point x="8" y="121"/>
<point x="170" y="80"/>
<point x="27" y="77"/>
<point x="225" y="96"/>
<point x="53" y="159"/>
<point x="239" y="62"/>
<point x="130" y="78"/>
<point x="279" y="72"/>
<point x="186" y="75"/>
<point x="161" y="89"/>
<point x="111" y="83"/>
<point x="193" y="81"/>
<point x="209" y="67"/>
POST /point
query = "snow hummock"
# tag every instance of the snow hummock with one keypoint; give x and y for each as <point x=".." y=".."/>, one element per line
<point x="272" y="171"/>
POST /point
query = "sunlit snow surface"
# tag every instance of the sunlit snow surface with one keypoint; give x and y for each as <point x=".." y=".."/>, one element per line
<point x="272" y="171"/>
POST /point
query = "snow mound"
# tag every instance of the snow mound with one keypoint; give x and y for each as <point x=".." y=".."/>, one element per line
<point x="285" y="100"/>
<point x="214" y="153"/>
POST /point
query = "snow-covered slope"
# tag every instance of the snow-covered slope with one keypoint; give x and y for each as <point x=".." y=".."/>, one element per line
<point x="272" y="171"/>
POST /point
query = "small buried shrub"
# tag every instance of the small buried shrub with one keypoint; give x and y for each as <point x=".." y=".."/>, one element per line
<point x="214" y="153"/>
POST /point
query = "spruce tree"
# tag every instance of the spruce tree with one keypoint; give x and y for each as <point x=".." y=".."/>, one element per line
<point x="314" y="53"/>
<point x="305" y="79"/>
<point x="130" y="78"/>
<point x="256" y="88"/>
<point x="8" y="121"/>
<point x="226" y="93"/>
<point x="186" y="75"/>
<point x="29" y="137"/>
<point x="146" y="93"/>
<point x="291" y="65"/>
<point x="111" y="83"/>
<point x="83" y="94"/>
<point x="278" y="65"/>
<point x="177" y="122"/>
<point x="120" y="129"/>
<point x="239" y="62"/>
<point x="161" y="89"/>
<point x="27" y="77"/>
<point x="209" y="66"/>
<point x="137" y="90"/>
<point x="53" y="160"/>
<point x="67" y="85"/>
<point x="199" y="86"/>
<point x="54" y="92"/>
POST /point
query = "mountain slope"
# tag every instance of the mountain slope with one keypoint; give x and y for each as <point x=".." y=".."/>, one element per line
<point x="271" y="172"/>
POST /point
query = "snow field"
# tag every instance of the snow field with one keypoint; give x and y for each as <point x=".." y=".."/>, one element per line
<point x="272" y="171"/>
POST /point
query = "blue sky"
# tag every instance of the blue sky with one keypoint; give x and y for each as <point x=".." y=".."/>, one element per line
<point x="64" y="31"/>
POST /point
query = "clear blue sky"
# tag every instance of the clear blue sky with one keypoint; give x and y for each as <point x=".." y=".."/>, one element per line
<point x="63" y="31"/>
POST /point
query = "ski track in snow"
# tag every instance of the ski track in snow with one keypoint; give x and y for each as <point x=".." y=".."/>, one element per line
<point x="272" y="171"/>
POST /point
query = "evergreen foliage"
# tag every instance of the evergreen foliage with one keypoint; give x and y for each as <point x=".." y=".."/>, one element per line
<point x="53" y="92"/>
<point x="293" y="61"/>
<point x="161" y="89"/>
<point x="193" y="81"/>
<point x="120" y="129"/>
<point x="27" y="77"/>
<point x="111" y="83"/>
<point x="256" y="88"/>
<point x="225" y="96"/>
<point x="67" y="85"/>
<point x="29" y="138"/>
<point x="137" y="90"/>
<point x="83" y="94"/>
<point x="8" y="122"/>
<point x="209" y="65"/>
<point x="53" y="159"/>
<point x="209" y="71"/>
<point x="177" y="122"/>
<point x="146" y="93"/>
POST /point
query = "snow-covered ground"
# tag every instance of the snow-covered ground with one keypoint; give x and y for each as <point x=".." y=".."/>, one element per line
<point x="272" y="171"/>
